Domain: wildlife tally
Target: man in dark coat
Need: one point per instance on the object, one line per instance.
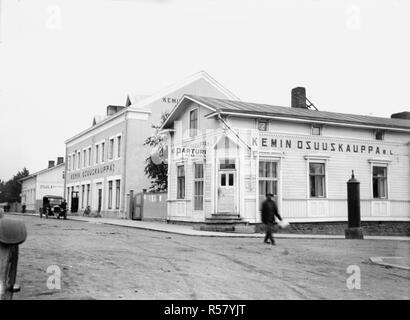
(269, 211)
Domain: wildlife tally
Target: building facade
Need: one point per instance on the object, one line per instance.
(35, 186)
(106, 161)
(226, 155)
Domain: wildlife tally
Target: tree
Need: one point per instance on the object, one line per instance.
(157, 173)
(10, 191)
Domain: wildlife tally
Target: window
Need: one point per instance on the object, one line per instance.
(102, 151)
(316, 130)
(180, 182)
(262, 125)
(199, 186)
(79, 160)
(84, 158)
(379, 134)
(111, 149)
(74, 161)
(82, 195)
(317, 180)
(268, 179)
(117, 194)
(88, 193)
(89, 156)
(118, 146)
(379, 182)
(97, 153)
(68, 163)
(193, 122)
(109, 194)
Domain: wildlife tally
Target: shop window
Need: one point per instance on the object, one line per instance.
(268, 179)
(198, 186)
(316, 130)
(109, 194)
(118, 146)
(317, 180)
(117, 194)
(379, 182)
(263, 125)
(102, 151)
(89, 156)
(379, 134)
(180, 182)
(193, 122)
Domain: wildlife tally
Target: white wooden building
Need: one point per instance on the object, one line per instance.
(226, 155)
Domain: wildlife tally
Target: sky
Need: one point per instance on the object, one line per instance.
(62, 62)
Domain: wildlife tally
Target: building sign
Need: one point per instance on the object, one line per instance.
(195, 150)
(326, 146)
(94, 171)
(170, 100)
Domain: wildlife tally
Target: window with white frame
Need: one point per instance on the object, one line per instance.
(180, 182)
(198, 186)
(379, 175)
(193, 122)
(317, 180)
(74, 161)
(268, 179)
(84, 158)
(118, 146)
(88, 194)
(79, 160)
(69, 163)
(117, 193)
(109, 194)
(102, 152)
(111, 149)
(82, 195)
(89, 156)
(379, 135)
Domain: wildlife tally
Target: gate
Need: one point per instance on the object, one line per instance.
(138, 206)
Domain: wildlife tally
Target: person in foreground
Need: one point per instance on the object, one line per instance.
(269, 211)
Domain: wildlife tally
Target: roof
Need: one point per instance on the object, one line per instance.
(33, 175)
(137, 102)
(247, 109)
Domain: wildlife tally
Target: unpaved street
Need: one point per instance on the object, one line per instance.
(109, 262)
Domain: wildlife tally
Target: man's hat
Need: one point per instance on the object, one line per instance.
(269, 195)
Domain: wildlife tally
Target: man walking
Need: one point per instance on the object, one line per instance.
(269, 211)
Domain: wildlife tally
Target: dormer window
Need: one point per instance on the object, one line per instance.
(379, 135)
(316, 130)
(193, 122)
(263, 125)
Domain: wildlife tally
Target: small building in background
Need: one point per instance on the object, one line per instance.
(49, 181)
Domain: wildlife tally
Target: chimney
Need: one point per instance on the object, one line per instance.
(299, 97)
(113, 109)
(401, 115)
(60, 160)
(50, 163)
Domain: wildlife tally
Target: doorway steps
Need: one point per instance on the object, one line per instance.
(225, 222)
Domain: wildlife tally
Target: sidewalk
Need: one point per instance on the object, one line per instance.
(189, 231)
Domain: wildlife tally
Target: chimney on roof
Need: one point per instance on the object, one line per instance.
(401, 115)
(299, 97)
(50, 163)
(113, 109)
(60, 160)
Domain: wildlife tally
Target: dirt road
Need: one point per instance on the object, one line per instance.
(110, 262)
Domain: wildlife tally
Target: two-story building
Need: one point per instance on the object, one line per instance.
(226, 155)
(106, 161)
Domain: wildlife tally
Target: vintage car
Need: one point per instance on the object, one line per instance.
(54, 206)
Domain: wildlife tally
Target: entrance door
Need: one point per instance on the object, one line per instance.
(74, 201)
(226, 191)
(99, 199)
